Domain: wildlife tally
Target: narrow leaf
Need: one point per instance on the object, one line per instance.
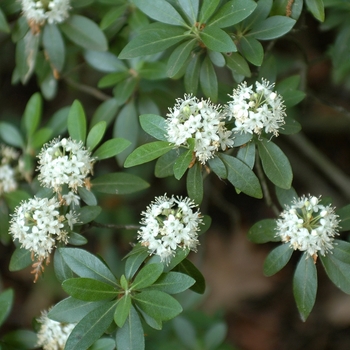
(54, 46)
(263, 231)
(173, 282)
(77, 122)
(182, 163)
(6, 300)
(208, 79)
(122, 310)
(95, 135)
(277, 259)
(88, 213)
(11, 135)
(32, 114)
(111, 148)
(154, 125)
(218, 167)
(62, 270)
(316, 7)
(217, 40)
(192, 74)
(190, 8)
(179, 57)
(20, 259)
(194, 183)
(207, 9)
(272, 27)
(187, 267)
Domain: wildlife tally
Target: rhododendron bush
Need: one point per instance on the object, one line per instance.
(122, 122)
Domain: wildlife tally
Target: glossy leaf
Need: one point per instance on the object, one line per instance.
(112, 79)
(173, 282)
(84, 264)
(215, 335)
(241, 176)
(103, 344)
(157, 304)
(87, 214)
(58, 121)
(6, 300)
(89, 289)
(252, 50)
(123, 91)
(316, 7)
(285, 197)
(91, 327)
(161, 11)
(131, 335)
(246, 154)
(134, 261)
(111, 148)
(191, 78)
(154, 125)
(165, 164)
(241, 139)
(118, 183)
(32, 114)
(85, 33)
(179, 57)
(154, 38)
(95, 135)
(232, 13)
(147, 153)
(112, 16)
(147, 276)
(104, 61)
(305, 285)
(344, 217)
(182, 163)
(218, 167)
(238, 64)
(76, 239)
(275, 164)
(72, 310)
(106, 111)
(62, 270)
(40, 137)
(190, 8)
(207, 9)
(11, 135)
(272, 28)
(77, 122)
(87, 196)
(54, 46)
(290, 127)
(153, 71)
(20, 259)
(194, 183)
(208, 79)
(216, 39)
(277, 259)
(263, 231)
(188, 268)
(122, 310)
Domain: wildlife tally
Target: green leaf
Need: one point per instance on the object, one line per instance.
(275, 164)
(217, 58)
(123, 91)
(111, 148)
(263, 231)
(182, 163)
(157, 304)
(161, 11)
(238, 64)
(154, 125)
(106, 111)
(246, 154)
(179, 57)
(208, 79)
(84, 264)
(85, 33)
(87, 196)
(285, 197)
(103, 344)
(186, 333)
(14, 198)
(207, 9)
(6, 300)
(77, 122)
(147, 152)
(316, 7)
(4, 27)
(173, 282)
(272, 28)
(91, 327)
(32, 114)
(241, 176)
(95, 135)
(76, 239)
(20, 259)
(187, 267)
(131, 335)
(88, 289)
(72, 310)
(112, 79)
(190, 8)
(134, 261)
(11, 135)
(40, 137)
(113, 15)
(180, 255)
(147, 276)
(341, 250)
(153, 71)
(194, 183)
(215, 335)
(54, 46)
(291, 126)
(277, 259)
(62, 270)
(118, 183)
(88, 213)
(58, 121)
(155, 37)
(206, 223)
(337, 271)
(242, 138)
(165, 164)
(104, 61)
(192, 74)
(252, 50)
(305, 285)
(122, 310)
(344, 217)
(232, 13)
(19, 339)
(218, 167)
(216, 39)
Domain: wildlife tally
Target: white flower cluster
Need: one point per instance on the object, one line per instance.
(53, 335)
(40, 11)
(169, 223)
(38, 225)
(64, 162)
(255, 111)
(8, 181)
(202, 121)
(308, 226)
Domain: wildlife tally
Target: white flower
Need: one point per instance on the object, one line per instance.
(53, 335)
(256, 111)
(41, 11)
(64, 162)
(308, 226)
(8, 182)
(38, 226)
(168, 224)
(200, 120)
(71, 198)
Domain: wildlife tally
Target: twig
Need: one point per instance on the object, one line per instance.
(113, 226)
